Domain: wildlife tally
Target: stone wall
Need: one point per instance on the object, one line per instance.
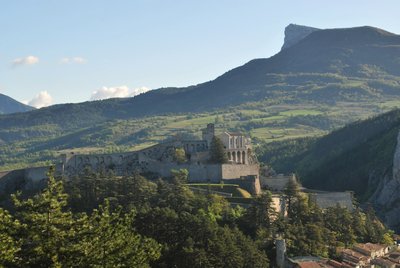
(232, 171)
(197, 172)
(331, 199)
(24, 179)
(250, 183)
(276, 183)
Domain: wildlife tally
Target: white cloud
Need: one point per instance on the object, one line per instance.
(42, 99)
(29, 60)
(117, 92)
(78, 60)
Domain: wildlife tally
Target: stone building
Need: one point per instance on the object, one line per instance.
(160, 159)
(243, 169)
(238, 147)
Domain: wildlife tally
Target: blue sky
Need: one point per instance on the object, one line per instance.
(66, 49)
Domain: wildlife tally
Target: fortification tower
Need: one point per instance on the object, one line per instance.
(280, 252)
(208, 133)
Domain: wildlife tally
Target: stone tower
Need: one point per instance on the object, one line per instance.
(280, 252)
(208, 133)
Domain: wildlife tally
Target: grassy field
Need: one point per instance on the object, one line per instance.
(261, 121)
(233, 189)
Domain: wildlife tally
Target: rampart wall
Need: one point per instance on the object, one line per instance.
(233, 171)
(24, 179)
(330, 199)
(276, 183)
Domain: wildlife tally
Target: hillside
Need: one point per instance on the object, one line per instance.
(348, 158)
(9, 105)
(329, 78)
(359, 157)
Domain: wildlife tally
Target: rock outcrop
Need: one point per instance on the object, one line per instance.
(294, 33)
(387, 196)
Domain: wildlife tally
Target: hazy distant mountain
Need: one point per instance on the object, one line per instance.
(9, 105)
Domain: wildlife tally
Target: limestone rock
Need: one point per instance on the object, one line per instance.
(387, 197)
(396, 161)
(294, 33)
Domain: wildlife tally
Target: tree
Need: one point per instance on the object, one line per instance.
(110, 241)
(260, 214)
(48, 229)
(180, 155)
(9, 245)
(291, 191)
(217, 151)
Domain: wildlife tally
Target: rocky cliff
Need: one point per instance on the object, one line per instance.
(387, 195)
(294, 33)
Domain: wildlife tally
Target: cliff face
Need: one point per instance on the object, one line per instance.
(387, 196)
(294, 33)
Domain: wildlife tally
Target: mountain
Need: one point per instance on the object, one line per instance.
(9, 105)
(363, 157)
(326, 66)
(294, 33)
(325, 80)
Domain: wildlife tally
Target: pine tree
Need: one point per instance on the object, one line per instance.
(9, 245)
(48, 233)
(217, 151)
(291, 191)
(110, 241)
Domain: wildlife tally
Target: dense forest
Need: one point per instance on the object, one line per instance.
(99, 220)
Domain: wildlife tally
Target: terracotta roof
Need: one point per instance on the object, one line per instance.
(383, 262)
(353, 253)
(395, 256)
(371, 247)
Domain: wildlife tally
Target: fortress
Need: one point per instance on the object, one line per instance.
(242, 167)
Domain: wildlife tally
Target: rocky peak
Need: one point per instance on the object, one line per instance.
(294, 33)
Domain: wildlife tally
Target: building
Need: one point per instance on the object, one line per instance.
(161, 158)
(238, 147)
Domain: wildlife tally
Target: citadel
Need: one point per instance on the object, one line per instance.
(242, 167)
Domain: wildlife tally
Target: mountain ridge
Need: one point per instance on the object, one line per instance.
(322, 51)
(8, 105)
(326, 83)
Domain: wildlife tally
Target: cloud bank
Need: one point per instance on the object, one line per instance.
(117, 92)
(29, 60)
(42, 99)
(78, 60)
